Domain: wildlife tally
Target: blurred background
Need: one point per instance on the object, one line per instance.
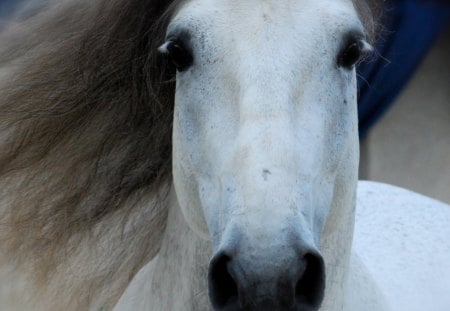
(404, 96)
(404, 100)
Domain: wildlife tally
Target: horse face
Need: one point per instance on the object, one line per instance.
(265, 141)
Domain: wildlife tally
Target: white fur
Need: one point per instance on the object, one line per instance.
(399, 261)
(265, 135)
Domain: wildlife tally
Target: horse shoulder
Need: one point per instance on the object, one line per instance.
(403, 240)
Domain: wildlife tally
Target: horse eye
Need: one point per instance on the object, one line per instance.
(178, 54)
(351, 54)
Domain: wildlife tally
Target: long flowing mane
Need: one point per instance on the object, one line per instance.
(85, 118)
(86, 108)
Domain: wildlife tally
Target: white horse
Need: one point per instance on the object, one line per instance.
(264, 166)
(261, 206)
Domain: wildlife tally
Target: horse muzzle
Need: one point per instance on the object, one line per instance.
(286, 279)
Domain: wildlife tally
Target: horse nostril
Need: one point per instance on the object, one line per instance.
(223, 290)
(287, 291)
(310, 287)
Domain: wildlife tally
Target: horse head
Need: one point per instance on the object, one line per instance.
(265, 144)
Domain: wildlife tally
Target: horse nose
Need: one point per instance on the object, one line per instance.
(235, 286)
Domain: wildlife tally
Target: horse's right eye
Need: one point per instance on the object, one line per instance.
(180, 56)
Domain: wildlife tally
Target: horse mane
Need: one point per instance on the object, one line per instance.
(371, 14)
(86, 107)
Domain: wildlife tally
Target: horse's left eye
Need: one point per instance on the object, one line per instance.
(353, 51)
(178, 54)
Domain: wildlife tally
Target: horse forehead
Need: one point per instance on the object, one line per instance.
(244, 37)
(248, 15)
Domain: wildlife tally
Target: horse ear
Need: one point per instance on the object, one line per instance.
(371, 15)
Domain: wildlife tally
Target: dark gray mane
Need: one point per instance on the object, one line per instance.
(86, 106)
(370, 13)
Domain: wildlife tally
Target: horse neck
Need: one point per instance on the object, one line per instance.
(178, 275)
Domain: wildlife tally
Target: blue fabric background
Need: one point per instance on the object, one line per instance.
(8, 6)
(411, 29)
